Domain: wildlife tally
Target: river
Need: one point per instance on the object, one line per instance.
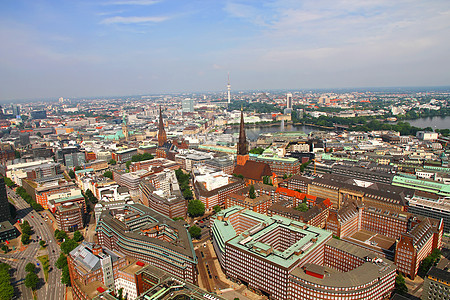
(434, 122)
(253, 132)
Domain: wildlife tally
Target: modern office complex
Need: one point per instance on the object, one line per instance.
(144, 234)
(286, 259)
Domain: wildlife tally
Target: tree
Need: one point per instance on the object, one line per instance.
(31, 281)
(196, 208)
(61, 262)
(77, 236)
(6, 289)
(65, 276)
(72, 174)
(26, 228)
(9, 182)
(112, 162)
(217, 208)
(108, 174)
(5, 249)
(128, 164)
(60, 235)
(257, 150)
(25, 238)
(120, 296)
(251, 192)
(68, 246)
(187, 194)
(302, 207)
(400, 285)
(42, 243)
(30, 267)
(238, 175)
(195, 232)
(39, 134)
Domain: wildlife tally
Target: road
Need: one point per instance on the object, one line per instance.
(53, 289)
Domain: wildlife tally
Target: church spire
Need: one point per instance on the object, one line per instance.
(242, 148)
(162, 137)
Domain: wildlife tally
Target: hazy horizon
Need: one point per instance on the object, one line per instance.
(88, 49)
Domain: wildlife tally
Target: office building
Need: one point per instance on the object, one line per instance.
(69, 216)
(93, 269)
(187, 105)
(7, 231)
(5, 214)
(289, 101)
(285, 259)
(144, 234)
(436, 285)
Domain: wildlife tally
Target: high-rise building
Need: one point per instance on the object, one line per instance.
(188, 105)
(289, 101)
(229, 89)
(5, 214)
(15, 110)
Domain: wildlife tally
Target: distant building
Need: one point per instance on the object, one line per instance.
(75, 159)
(38, 114)
(427, 136)
(188, 105)
(69, 216)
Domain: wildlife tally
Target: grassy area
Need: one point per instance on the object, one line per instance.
(45, 265)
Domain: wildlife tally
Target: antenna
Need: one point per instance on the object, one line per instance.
(229, 89)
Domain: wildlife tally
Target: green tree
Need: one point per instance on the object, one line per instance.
(112, 162)
(251, 192)
(72, 174)
(196, 208)
(217, 208)
(61, 262)
(258, 150)
(42, 243)
(68, 245)
(26, 228)
(65, 276)
(60, 235)
(17, 153)
(187, 194)
(6, 289)
(31, 281)
(120, 296)
(108, 174)
(302, 207)
(400, 285)
(238, 176)
(195, 232)
(77, 236)
(128, 164)
(25, 238)
(9, 182)
(5, 248)
(30, 267)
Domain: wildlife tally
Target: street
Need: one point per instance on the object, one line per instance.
(53, 289)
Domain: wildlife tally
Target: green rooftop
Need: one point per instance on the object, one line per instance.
(438, 188)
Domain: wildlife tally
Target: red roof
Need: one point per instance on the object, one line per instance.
(327, 202)
(100, 289)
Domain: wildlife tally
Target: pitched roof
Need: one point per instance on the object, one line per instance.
(253, 170)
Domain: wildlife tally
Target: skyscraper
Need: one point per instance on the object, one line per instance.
(289, 101)
(188, 105)
(5, 214)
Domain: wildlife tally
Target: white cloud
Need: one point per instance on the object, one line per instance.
(133, 20)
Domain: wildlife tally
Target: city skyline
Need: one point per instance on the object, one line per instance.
(104, 48)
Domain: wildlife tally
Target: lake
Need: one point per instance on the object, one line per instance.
(434, 122)
(253, 132)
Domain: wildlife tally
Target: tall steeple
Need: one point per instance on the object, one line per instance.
(242, 147)
(162, 137)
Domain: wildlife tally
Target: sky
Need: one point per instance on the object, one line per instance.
(89, 48)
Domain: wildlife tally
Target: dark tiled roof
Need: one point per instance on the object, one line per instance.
(253, 170)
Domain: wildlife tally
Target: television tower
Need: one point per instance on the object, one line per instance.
(229, 89)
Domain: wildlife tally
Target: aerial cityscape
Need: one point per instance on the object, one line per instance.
(238, 150)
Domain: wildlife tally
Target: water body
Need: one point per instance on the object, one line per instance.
(254, 132)
(434, 122)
